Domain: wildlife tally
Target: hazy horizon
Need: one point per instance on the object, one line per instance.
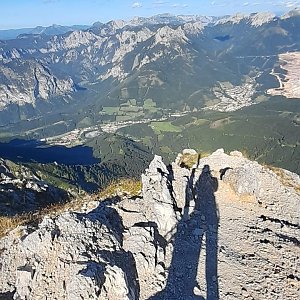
(31, 13)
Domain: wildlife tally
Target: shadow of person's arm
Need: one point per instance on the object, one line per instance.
(215, 184)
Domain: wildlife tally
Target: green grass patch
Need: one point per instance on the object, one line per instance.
(130, 109)
(200, 122)
(159, 127)
(123, 118)
(147, 141)
(148, 103)
(165, 149)
(110, 110)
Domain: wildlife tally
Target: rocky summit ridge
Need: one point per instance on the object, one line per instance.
(24, 191)
(225, 228)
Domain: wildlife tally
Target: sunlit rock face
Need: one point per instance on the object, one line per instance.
(22, 191)
(39, 83)
(185, 53)
(225, 228)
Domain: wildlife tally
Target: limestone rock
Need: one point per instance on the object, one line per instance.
(180, 182)
(73, 256)
(245, 179)
(228, 229)
(158, 195)
(38, 84)
(23, 191)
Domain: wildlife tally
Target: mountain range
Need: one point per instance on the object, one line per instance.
(96, 202)
(8, 34)
(174, 60)
(192, 79)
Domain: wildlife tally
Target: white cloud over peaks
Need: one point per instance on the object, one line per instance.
(160, 3)
(215, 3)
(168, 4)
(136, 5)
(179, 5)
(291, 4)
(265, 3)
(287, 4)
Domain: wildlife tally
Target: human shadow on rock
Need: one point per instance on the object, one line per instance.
(197, 231)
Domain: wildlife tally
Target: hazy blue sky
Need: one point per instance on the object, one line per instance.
(30, 13)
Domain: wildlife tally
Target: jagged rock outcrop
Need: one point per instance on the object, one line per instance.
(23, 191)
(254, 19)
(158, 196)
(234, 236)
(144, 59)
(68, 258)
(38, 84)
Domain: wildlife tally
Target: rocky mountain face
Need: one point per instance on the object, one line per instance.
(228, 228)
(39, 83)
(54, 29)
(23, 191)
(173, 60)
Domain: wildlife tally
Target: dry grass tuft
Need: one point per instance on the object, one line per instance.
(130, 187)
(9, 223)
(124, 186)
(189, 160)
(284, 178)
(245, 153)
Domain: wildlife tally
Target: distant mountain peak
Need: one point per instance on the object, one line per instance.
(255, 19)
(259, 19)
(117, 23)
(97, 24)
(292, 13)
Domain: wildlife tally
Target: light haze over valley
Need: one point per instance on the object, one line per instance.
(149, 149)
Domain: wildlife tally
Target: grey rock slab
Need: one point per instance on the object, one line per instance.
(228, 229)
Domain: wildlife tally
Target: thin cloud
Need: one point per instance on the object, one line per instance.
(288, 4)
(136, 5)
(160, 3)
(168, 4)
(176, 5)
(50, 1)
(215, 3)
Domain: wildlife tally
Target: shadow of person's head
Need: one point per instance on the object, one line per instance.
(206, 169)
(206, 181)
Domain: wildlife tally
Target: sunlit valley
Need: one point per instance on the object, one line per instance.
(205, 107)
